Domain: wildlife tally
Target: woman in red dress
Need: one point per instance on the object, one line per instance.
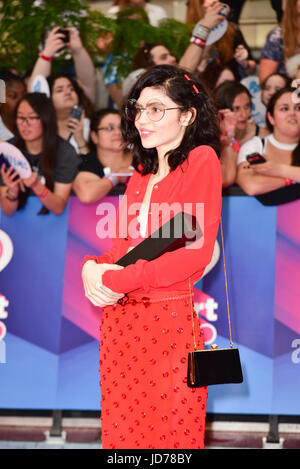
(146, 335)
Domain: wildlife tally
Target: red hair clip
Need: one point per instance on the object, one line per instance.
(194, 86)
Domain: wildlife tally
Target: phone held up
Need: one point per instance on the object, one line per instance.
(76, 112)
(66, 34)
(255, 158)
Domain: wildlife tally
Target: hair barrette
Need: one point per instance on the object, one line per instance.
(193, 84)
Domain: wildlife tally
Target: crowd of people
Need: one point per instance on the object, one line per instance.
(88, 153)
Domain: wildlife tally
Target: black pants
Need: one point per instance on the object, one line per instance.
(237, 5)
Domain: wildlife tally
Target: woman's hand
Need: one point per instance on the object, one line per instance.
(269, 168)
(241, 56)
(95, 291)
(11, 179)
(31, 181)
(75, 43)
(212, 16)
(76, 127)
(227, 123)
(54, 42)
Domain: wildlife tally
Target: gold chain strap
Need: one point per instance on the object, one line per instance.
(226, 288)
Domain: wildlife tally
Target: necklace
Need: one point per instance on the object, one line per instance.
(280, 145)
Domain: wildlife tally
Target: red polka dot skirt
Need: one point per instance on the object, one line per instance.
(146, 402)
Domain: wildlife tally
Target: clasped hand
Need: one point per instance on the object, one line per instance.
(92, 283)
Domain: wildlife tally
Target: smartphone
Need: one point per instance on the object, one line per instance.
(76, 112)
(224, 11)
(7, 164)
(5, 161)
(66, 34)
(255, 158)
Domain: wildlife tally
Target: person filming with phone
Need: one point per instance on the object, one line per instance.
(57, 40)
(274, 162)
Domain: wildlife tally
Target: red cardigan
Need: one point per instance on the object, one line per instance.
(198, 179)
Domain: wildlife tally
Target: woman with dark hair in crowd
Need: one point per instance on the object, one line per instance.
(232, 48)
(236, 99)
(147, 56)
(108, 154)
(66, 93)
(271, 84)
(214, 74)
(282, 42)
(145, 337)
(278, 148)
(53, 160)
(14, 90)
(233, 101)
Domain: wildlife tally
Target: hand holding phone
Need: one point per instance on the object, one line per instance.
(65, 33)
(255, 158)
(76, 113)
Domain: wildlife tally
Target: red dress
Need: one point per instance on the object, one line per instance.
(144, 344)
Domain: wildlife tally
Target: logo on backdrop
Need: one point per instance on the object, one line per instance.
(296, 352)
(6, 253)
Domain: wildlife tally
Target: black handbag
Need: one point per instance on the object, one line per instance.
(214, 366)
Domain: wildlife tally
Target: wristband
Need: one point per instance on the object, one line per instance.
(289, 182)
(43, 194)
(198, 41)
(10, 197)
(112, 180)
(200, 31)
(45, 57)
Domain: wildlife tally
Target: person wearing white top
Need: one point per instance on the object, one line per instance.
(280, 149)
(155, 13)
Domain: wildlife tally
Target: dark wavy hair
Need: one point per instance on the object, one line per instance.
(270, 110)
(44, 108)
(273, 101)
(83, 100)
(179, 85)
(225, 94)
(96, 121)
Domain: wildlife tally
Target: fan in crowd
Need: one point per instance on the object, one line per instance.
(14, 90)
(231, 48)
(282, 42)
(109, 154)
(53, 160)
(279, 148)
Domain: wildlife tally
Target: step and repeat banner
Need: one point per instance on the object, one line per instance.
(49, 331)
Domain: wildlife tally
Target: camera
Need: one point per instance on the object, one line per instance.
(66, 34)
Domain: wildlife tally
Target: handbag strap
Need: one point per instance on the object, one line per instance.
(226, 289)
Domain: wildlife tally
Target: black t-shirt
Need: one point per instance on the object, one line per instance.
(67, 162)
(91, 164)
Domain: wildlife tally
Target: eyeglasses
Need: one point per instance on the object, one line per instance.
(155, 112)
(110, 128)
(29, 120)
